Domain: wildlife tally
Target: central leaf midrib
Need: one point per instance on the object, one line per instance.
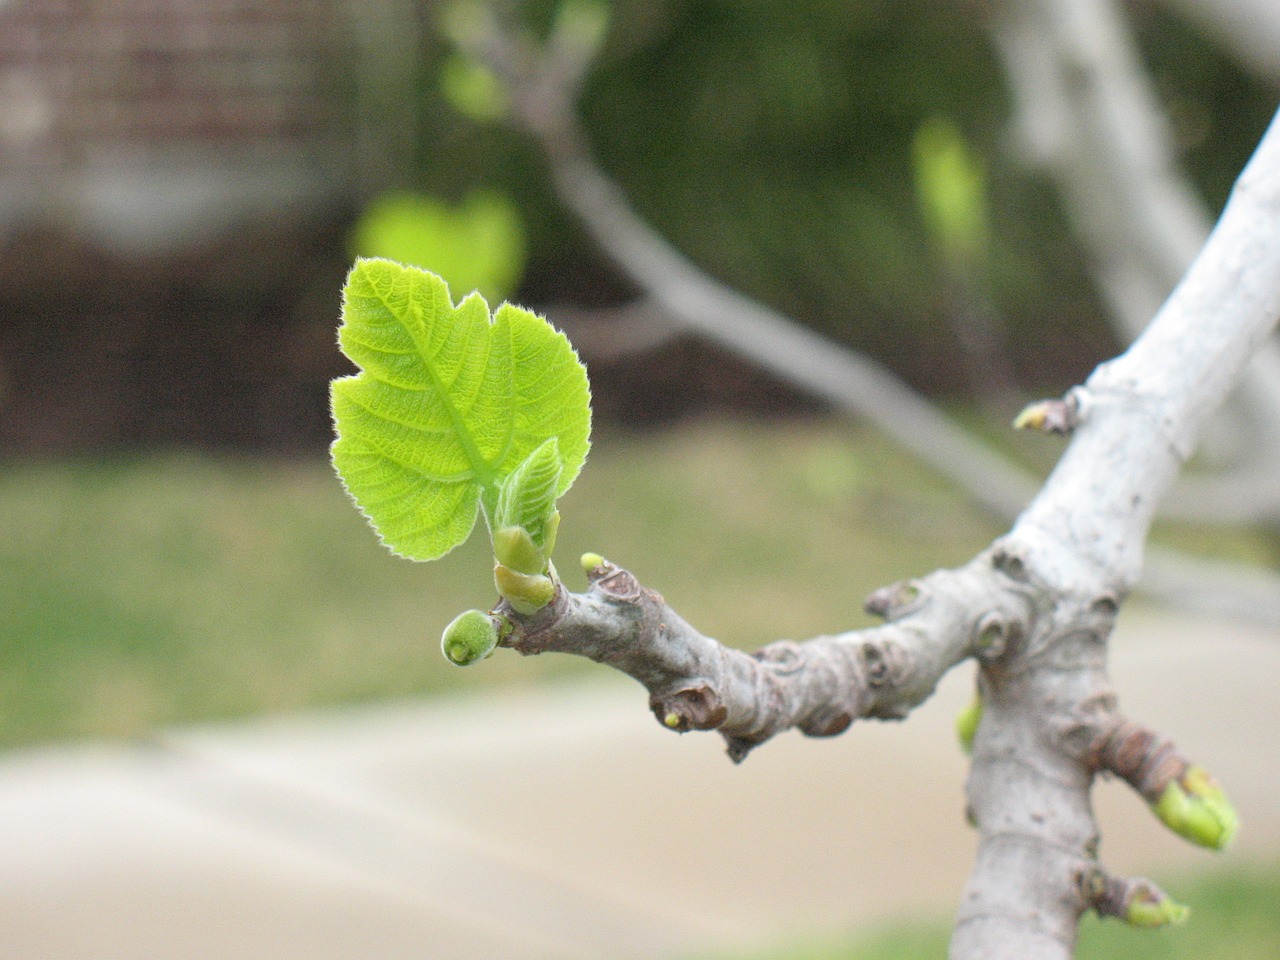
(485, 474)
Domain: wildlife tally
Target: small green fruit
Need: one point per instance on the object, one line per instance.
(470, 637)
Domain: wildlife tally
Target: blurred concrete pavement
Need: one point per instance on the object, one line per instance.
(563, 823)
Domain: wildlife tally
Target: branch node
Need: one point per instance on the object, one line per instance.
(1012, 562)
(1059, 416)
(878, 666)
(616, 583)
(693, 708)
(827, 725)
(1137, 901)
(993, 636)
(1107, 604)
(895, 600)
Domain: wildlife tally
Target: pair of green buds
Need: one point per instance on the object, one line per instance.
(524, 521)
(525, 578)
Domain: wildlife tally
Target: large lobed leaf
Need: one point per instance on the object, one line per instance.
(448, 403)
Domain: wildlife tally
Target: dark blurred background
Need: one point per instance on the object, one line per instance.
(180, 180)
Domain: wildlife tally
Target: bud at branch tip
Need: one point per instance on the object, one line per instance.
(1195, 807)
(1150, 908)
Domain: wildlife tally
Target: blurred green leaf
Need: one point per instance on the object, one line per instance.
(478, 246)
(472, 89)
(951, 189)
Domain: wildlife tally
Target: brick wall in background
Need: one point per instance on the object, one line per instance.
(139, 119)
(176, 182)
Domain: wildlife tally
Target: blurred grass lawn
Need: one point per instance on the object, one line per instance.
(1233, 917)
(147, 591)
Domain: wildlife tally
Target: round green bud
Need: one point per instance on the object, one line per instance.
(470, 637)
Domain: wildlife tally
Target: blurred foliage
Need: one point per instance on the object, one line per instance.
(152, 590)
(951, 187)
(477, 245)
(773, 144)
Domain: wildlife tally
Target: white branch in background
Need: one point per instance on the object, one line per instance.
(1089, 115)
(847, 380)
(1249, 28)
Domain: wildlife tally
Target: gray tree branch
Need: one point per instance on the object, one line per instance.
(1035, 610)
(1089, 116)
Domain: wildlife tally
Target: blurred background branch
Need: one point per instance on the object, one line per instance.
(1088, 114)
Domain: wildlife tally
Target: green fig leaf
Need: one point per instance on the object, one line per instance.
(449, 403)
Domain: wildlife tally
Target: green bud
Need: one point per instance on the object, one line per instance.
(526, 593)
(967, 723)
(1150, 908)
(470, 637)
(672, 720)
(1194, 807)
(590, 561)
(514, 548)
(1031, 417)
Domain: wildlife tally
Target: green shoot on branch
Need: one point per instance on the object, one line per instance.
(457, 411)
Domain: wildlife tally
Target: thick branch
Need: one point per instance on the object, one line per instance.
(1080, 543)
(818, 687)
